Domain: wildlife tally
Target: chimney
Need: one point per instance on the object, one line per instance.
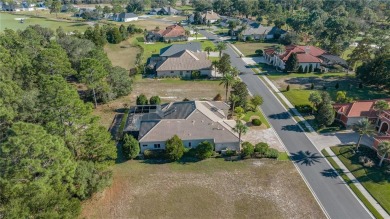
(307, 49)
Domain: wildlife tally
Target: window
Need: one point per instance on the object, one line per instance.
(156, 145)
(145, 145)
(189, 144)
(172, 72)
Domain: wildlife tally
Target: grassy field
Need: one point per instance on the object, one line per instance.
(352, 186)
(168, 89)
(9, 21)
(248, 49)
(122, 54)
(212, 188)
(373, 179)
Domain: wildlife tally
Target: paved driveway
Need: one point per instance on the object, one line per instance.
(334, 196)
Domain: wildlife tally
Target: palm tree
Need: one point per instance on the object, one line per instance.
(221, 46)
(380, 106)
(187, 32)
(215, 66)
(234, 71)
(241, 129)
(227, 81)
(384, 149)
(196, 31)
(208, 50)
(363, 127)
(234, 99)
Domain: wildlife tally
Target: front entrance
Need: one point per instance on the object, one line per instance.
(384, 127)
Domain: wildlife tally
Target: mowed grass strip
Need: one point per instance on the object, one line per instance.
(249, 48)
(374, 180)
(213, 188)
(352, 186)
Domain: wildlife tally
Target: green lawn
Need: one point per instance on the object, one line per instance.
(298, 97)
(258, 113)
(8, 21)
(283, 156)
(376, 182)
(352, 186)
(248, 49)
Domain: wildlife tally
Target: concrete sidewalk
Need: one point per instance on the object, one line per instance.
(327, 140)
(358, 185)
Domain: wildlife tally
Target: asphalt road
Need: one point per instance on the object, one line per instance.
(334, 196)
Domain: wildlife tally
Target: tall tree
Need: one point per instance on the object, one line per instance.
(363, 127)
(220, 47)
(55, 7)
(208, 50)
(119, 80)
(380, 106)
(37, 172)
(92, 73)
(316, 99)
(239, 88)
(227, 81)
(241, 129)
(224, 66)
(384, 150)
(292, 63)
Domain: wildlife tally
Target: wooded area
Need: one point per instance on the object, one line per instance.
(53, 152)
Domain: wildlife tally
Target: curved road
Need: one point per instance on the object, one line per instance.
(335, 197)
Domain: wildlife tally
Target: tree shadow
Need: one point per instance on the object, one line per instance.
(306, 157)
(284, 115)
(294, 128)
(331, 173)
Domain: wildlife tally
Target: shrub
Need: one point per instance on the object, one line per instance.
(261, 148)
(300, 69)
(186, 99)
(153, 154)
(366, 161)
(142, 100)
(204, 150)
(337, 86)
(312, 86)
(256, 122)
(130, 147)
(155, 100)
(272, 153)
(247, 149)
(174, 148)
(304, 108)
(218, 97)
(288, 88)
(230, 153)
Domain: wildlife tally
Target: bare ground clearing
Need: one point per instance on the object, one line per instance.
(213, 188)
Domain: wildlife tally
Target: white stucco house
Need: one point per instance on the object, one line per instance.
(192, 121)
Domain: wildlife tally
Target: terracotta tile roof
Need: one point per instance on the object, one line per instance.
(172, 31)
(305, 53)
(363, 108)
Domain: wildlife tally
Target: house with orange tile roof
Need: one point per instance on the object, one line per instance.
(350, 113)
(309, 57)
(171, 33)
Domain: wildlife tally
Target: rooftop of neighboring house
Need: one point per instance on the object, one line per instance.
(169, 9)
(124, 15)
(172, 31)
(362, 108)
(185, 60)
(175, 48)
(211, 15)
(189, 120)
(305, 54)
(260, 29)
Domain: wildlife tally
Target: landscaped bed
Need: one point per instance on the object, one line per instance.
(374, 179)
(213, 188)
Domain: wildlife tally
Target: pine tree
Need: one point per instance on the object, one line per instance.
(292, 63)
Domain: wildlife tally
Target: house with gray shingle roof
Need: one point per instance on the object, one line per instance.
(258, 32)
(183, 64)
(193, 121)
(125, 17)
(175, 48)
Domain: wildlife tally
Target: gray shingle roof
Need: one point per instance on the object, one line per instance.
(176, 48)
(262, 30)
(124, 15)
(186, 61)
(195, 120)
